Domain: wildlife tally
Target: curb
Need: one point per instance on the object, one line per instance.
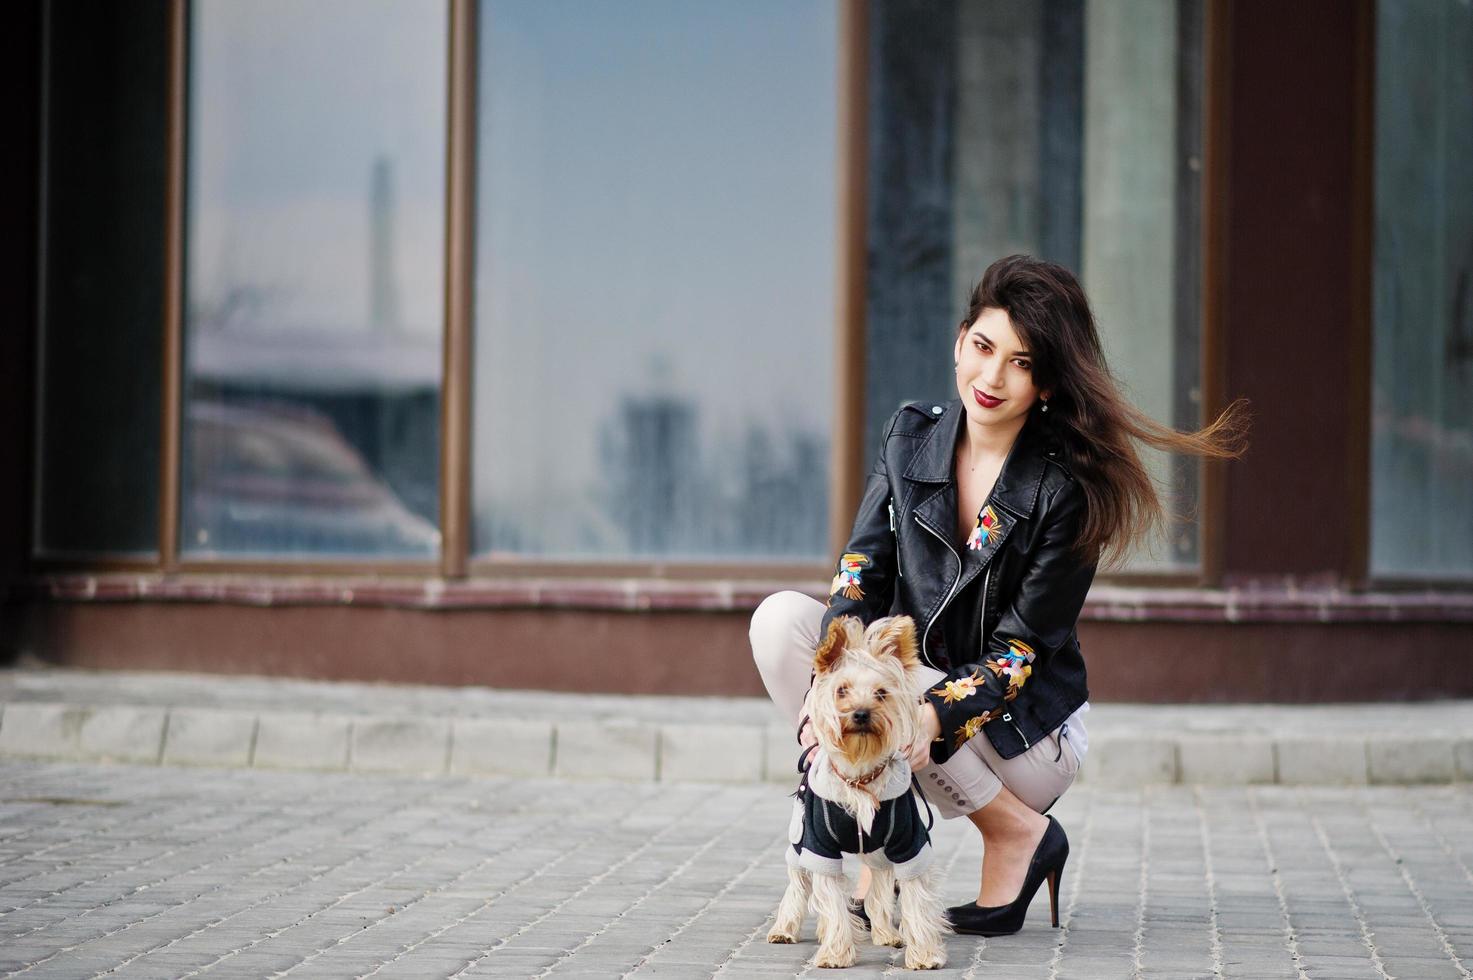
(633, 749)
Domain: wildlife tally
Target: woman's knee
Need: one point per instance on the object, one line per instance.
(778, 625)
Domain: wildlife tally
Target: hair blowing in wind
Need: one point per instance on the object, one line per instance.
(1098, 428)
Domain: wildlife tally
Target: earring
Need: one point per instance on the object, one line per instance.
(1044, 406)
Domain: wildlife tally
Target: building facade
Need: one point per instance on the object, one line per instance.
(533, 344)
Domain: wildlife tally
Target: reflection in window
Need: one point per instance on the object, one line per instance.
(314, 279)
(1422, 366)
(654, 291)
(1066, 129)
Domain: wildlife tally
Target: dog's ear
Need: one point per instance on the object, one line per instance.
(894, 636)
(831, 648)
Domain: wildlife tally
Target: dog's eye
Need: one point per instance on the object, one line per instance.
(880, 694)
(841, 692)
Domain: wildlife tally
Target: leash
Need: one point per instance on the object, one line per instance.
(805, 762)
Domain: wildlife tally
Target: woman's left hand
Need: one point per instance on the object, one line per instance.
(919, 752)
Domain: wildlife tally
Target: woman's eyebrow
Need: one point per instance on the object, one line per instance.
(988, 341)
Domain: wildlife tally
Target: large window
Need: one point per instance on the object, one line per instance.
(655, 279)
(1422, 364)
(654, 285)
(314, 278)
(1067, 129)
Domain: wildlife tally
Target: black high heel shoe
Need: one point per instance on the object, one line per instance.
(1004, 920)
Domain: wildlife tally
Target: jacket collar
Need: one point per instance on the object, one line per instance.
(1017, 485)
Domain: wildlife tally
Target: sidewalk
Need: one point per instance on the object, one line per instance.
(157, 718)
(240, 873)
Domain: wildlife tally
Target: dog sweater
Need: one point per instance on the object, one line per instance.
(822, 831)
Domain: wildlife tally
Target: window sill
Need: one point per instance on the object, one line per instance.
(1106, 603)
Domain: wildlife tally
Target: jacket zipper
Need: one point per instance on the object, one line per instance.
(899, 569)
(942, 608)
(985, 579)
(1006, 716)
(1009, 719)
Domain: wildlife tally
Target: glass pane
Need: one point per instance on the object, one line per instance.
(655, 279)
(1422, 366)
(1066, 129)
(315, 278)
(103, 278)
(1141, 228)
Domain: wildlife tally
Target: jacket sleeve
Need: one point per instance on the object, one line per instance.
(864, 580)
(1039, 621)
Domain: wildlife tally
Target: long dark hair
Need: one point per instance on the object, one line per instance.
(1095, 424)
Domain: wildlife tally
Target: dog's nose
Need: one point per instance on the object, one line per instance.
(861, 717)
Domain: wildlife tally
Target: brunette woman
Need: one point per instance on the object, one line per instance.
(984, 519)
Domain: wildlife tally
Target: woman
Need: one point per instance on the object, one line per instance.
(984, 519)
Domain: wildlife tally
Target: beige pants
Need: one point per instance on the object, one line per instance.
(784, 636)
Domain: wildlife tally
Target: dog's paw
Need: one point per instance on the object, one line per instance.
(779, 936)
(836, 959)
(916, 959)
(886, 937)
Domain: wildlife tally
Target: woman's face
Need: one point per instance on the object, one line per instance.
(994, 373)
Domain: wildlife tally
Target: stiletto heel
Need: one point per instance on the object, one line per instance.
(1003, 920)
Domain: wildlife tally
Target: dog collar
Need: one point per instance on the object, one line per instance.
(859, 782)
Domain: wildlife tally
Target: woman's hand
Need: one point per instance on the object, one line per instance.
(919, 752)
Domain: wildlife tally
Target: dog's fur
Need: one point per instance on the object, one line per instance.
(870, 671)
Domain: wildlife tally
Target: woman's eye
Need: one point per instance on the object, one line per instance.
(1024, 365)
(980, 346)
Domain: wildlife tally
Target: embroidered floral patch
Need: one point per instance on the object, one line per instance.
(953, 691)
(1017, 648)
(1015, 667)
(847, 580)
(972, 727)
(989, 526)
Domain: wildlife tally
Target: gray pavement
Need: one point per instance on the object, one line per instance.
(133, 871)
(155, 717)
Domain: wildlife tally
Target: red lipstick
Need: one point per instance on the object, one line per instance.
(987, 401)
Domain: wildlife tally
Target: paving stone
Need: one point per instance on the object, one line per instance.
(1225, 759)
(509, 746)
(1410, 760)
(42, 730)
(123, 733)
(105, 733)
(616, 749)
(301, 740)
(209, 737)
(711, 753)
(780, 755)
(407, 745)
(1463, 757)
(1130, 762)
(1307, 760)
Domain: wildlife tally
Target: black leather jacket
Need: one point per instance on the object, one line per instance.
(1015, 671)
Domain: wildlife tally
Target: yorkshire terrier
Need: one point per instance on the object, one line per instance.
(856, 797)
